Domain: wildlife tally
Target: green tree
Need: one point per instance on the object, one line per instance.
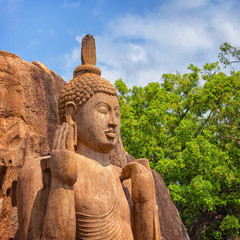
(188, 127)
(229, 54)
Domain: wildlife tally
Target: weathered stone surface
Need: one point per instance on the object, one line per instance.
(171, 225)
(28, 118)
(119, 157)
(88, 50)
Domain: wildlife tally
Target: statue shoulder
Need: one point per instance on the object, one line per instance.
(116, 170)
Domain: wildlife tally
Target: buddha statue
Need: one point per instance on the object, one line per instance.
(76, 193)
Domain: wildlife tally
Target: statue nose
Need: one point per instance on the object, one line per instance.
(113, 121)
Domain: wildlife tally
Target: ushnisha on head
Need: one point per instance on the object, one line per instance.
(86, 80)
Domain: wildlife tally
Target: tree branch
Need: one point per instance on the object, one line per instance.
(234, 61)
(189, 109)
(200, 129)
(237, 140)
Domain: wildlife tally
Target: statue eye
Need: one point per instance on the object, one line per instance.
(117, 112)
(102, 108)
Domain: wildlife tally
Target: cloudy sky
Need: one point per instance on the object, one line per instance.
(137, 40)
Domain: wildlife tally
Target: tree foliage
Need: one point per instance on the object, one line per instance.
(229, 54)
(188, 127)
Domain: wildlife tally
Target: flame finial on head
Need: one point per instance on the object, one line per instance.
(88, 57)
(88, 50)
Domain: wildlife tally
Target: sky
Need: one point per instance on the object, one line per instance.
(136, 40)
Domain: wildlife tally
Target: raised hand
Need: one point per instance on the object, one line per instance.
(139, 172)
(64, 137)
(63, 163)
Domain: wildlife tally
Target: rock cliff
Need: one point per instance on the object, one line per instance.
(28, 118)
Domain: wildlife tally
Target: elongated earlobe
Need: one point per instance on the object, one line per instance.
(71, 110)
(74, 134)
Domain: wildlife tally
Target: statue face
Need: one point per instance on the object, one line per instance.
(98, 122)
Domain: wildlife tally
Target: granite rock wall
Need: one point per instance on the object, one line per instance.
(28, 119)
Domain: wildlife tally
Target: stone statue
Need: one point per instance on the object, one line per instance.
(76, 193)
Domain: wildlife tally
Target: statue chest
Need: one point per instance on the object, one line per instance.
(97, 189)
(102, 211)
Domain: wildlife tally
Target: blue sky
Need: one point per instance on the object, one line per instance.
(136, 40)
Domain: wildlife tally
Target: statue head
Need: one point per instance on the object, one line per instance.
(92, 102)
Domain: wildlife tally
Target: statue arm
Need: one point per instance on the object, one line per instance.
(60, 222)
(145, 222)
(144, 215)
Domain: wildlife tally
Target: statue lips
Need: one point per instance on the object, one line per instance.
(110, 133)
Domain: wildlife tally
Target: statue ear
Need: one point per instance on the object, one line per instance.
(70, 110)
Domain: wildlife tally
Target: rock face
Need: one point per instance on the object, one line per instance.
(28, 120)
(170, 222)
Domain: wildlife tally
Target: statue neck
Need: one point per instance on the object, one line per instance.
(102, 158)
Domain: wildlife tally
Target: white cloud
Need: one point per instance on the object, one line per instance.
(72, 60)
(71, 4)
(140, 48)
(136, 53)
(189, 4)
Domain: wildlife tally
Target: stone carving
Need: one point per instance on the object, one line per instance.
(76, 193)
(19, 82)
